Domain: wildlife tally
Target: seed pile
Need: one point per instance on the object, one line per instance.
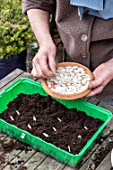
(69, 80)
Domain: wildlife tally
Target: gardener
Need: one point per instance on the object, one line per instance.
(86, 30)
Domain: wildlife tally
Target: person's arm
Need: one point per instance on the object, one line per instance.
(39, 21)
(44, 61)
(103, 74)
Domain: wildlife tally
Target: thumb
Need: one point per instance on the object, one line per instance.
(95, 83)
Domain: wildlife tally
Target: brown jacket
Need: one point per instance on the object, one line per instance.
(89, 41)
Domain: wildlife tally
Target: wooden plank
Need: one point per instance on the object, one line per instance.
(20, 160)
(107, 129)
(105, 164)
(90, 164)
(84, 159)
(106, 106)
(69, 168)
(34, 161)
(93, 101)
(23, 75)
(109, 126)
(2, 136)
(50, 164)
(10, 77)
(3, 139)
(1, 151)
(8, 157)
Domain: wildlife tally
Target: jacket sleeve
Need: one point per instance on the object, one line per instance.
(46, 5)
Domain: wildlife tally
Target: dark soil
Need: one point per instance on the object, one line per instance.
(65, 127)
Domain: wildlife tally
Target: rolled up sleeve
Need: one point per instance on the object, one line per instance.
(46, 5)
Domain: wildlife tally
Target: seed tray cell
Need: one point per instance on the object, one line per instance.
(27, 86)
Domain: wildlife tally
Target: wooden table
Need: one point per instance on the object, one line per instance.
(35, 160)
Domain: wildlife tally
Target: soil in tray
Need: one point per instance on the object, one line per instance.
(46, 118)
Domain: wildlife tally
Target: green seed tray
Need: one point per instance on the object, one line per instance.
(27, 86)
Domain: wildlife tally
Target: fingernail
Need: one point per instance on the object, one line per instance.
(54, 71)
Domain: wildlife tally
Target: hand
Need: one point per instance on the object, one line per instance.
(103, 74)
(44, 65)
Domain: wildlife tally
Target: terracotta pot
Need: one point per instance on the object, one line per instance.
(67, 96)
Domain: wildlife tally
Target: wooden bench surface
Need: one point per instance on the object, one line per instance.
(33, 159)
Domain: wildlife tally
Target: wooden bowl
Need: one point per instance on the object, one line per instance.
(67, 96)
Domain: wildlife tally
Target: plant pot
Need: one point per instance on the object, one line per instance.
(12, 63)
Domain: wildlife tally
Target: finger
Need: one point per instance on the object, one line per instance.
(95, 83)
(44, 67)
(95, 91)
(52, 64)
(36, 72)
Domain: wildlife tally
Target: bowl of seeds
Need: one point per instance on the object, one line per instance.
(70, 81)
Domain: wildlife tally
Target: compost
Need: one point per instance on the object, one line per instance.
(48, 119)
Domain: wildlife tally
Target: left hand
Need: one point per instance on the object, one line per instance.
(103, 74)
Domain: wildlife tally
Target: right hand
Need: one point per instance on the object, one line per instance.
(44, 65)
